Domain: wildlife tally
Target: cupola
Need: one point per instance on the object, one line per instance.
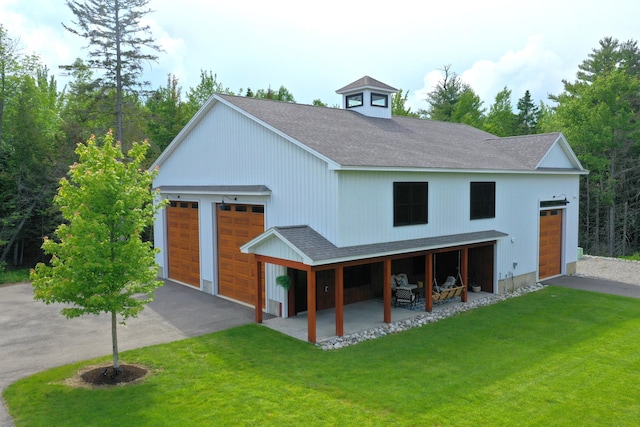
(368, 96)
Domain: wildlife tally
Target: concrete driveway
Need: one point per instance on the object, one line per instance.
(35, 336)
(595, 285)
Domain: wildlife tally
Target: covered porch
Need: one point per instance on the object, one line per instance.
(303, 249)
(358, 317)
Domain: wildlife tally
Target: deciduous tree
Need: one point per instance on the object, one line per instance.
(501, 120)
(99, 263)
(600, 114)
(399, 105)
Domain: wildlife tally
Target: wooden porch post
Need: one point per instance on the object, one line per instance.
(428, 289)
(465, 273)
(340, 301)
(258, 290)
(311, 306)
(386, 290)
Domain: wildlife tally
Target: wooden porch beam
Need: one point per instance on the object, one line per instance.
(428, 289)
(311, 306)
(258, 290)
(386, 290)
(283, 262)
(464, 273)
(340, 301)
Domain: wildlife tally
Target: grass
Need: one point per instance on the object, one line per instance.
(634, 257)
(554, 357)
(13, 275)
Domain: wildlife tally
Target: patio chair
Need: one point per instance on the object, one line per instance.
(405, 296)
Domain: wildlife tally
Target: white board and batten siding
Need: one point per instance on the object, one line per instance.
(228, 148)
(556, 157)
(366, 211)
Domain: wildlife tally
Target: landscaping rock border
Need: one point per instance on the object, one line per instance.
(422, 319)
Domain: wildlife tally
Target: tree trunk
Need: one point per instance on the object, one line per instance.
(624, 228)
(114, 341)
(17, 231)
(612, 231)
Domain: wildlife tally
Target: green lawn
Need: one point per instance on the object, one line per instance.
(551, 358)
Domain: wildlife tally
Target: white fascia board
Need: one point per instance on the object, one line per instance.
(460, 171)
(218, 193)
(397, 252)
(332, 164)
(248, 248)
(566, 149)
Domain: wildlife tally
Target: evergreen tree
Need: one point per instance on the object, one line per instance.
(527, 115)
(116, 40)
(443, 98)
(600, 115)
(168, 114)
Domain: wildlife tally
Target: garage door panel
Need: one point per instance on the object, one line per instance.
(183, 242)
(236, 227)
(550, 250)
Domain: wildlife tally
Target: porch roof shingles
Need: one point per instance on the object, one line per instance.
(321, 251)
(351, 139)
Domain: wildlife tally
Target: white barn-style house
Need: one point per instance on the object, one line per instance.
(340, 199)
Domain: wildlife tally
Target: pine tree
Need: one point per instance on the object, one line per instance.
(116, 40)
(527, 115)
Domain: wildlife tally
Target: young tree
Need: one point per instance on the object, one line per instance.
(8, 67)
(168, 113)
(197, 96)
(99, 263)
(468, 109)
(501, 120)
(282, 94)
(116, 40)
(399, 105)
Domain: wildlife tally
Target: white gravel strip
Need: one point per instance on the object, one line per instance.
(618, 270)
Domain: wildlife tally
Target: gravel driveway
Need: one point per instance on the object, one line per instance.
(617, 270)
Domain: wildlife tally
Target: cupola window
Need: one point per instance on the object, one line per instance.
(379, 100)
(355, 100)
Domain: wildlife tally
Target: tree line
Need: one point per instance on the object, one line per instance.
(41, 124)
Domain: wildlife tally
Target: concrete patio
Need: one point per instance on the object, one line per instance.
(357, 317)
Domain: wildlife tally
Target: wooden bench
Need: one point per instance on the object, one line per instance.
(447, 293)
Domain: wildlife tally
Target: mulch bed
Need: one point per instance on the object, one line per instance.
(107, 375)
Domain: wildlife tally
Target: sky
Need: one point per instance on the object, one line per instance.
(316, 48)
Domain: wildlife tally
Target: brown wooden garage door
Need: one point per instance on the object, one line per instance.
(550, 257)
(183, 242)
(237, 224)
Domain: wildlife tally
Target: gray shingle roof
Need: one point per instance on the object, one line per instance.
(369, 82)
(351, 139)
(321, 251)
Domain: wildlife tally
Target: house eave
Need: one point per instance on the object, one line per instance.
(219, 190)
(538, 171)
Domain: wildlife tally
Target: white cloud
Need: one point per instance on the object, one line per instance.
(534, 67)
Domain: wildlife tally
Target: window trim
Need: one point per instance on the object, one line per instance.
(411, 204)
(380, 96)
(354, 96)
(483, 212)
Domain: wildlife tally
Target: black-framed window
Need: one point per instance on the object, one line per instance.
(483, 200)
(379, 100)
(355, 100)
(410, 203)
